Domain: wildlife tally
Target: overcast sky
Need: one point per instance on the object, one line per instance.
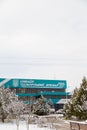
(44, 39)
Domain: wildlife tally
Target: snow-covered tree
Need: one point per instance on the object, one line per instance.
(16, 108)
(78, 103)
(9, 104)
(41, 106)
(50, 103)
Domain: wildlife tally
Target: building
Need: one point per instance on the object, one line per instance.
(28, 90)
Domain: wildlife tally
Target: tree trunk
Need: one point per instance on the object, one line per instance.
(3, 119)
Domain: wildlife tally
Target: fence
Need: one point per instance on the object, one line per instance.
(75, 125)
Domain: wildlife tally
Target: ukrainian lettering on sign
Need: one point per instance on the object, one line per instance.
(34, 83)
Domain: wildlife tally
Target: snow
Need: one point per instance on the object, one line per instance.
(22, 126)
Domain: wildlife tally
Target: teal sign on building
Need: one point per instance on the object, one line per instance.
(33, 83)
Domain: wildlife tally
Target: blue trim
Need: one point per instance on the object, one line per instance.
(43, 93)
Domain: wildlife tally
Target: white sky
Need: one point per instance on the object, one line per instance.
(44, 39)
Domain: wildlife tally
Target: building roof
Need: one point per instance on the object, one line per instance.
(63, 101)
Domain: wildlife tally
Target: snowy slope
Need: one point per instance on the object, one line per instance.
(22, 126)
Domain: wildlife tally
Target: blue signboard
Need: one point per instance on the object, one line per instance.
(33, 83)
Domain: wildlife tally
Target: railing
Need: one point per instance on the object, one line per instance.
(75, 125)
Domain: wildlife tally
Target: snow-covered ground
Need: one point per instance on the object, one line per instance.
(22, 126)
